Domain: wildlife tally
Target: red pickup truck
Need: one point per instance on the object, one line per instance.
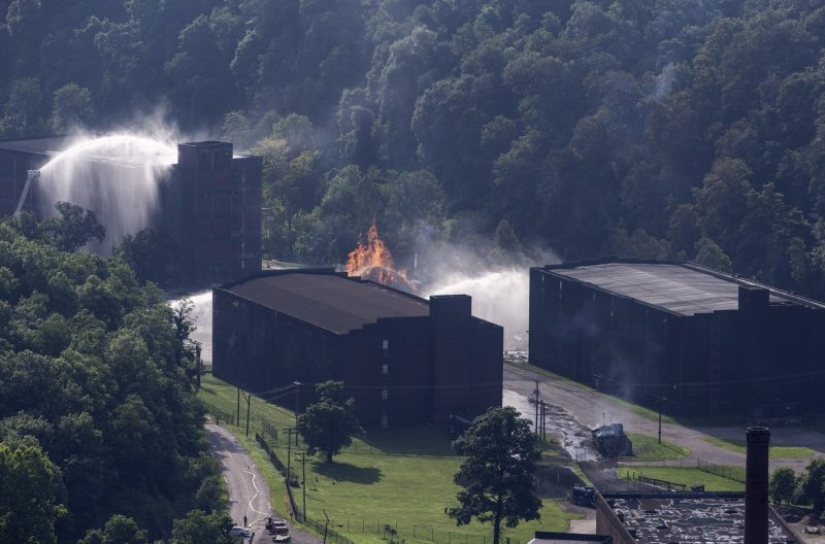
(279, 529)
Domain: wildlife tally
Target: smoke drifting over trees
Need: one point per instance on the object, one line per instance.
(666, 129)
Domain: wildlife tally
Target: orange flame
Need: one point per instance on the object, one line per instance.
(373, 261)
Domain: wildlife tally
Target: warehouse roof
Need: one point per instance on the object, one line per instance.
(678, 287)
(328, 300)
(51, 145)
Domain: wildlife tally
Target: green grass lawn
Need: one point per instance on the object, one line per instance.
(648, 448)
(685, 476)
(399, 479)
(776, 452)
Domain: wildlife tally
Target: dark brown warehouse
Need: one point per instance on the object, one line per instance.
(679, 337)
(404, 360)
(208, 203)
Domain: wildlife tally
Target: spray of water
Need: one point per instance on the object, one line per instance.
(116, 176)
(202, 318)
(500, 297)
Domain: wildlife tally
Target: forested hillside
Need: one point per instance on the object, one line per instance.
(636, 128)
(101, 436)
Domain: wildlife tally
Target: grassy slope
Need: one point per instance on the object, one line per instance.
(648, 448)
(686, 476)
(402, 479)
(776, 452)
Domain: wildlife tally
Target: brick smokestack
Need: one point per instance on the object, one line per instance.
(756, 486)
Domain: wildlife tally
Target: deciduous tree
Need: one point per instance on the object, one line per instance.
(498, 472)
(812, 484)
(329, 424)
(783, 485)
(28, 495)
(74, 227)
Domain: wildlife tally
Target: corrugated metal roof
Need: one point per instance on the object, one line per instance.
(329, 301)
(679, 288)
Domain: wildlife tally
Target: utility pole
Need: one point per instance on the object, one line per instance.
(238, 417)
(303, 485)
(297, 406)
(660, 419)
(289, 432)
(198, 364)
(543, 421)
(248, 408)
(537, 407)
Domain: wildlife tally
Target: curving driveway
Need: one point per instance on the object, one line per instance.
(248, 492)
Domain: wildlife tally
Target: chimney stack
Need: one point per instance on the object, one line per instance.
(756, 485)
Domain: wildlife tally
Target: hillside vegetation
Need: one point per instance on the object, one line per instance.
(649, 129)
(100, 431)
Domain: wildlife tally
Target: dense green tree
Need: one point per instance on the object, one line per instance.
(24, 21)
(71, 107)
(22, 112)
(199, 526)
(90, 372)
(29, 491)
(498, 472)
(200, 76)
(119, 529)
(351, 200)
(812, 485)
(709, 254)
(783, 485)
(329, 425)
(73, 228)
(149, 254)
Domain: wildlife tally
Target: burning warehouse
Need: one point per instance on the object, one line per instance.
(678, 337)
(405, 360)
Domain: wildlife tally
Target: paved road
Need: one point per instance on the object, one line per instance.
(574, 410)
(248, 491)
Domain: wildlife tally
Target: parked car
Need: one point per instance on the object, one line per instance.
(237, 530)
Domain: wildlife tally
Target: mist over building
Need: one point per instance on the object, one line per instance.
(204, 200)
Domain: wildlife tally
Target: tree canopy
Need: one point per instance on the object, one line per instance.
(783, 484)
(498, 473)
(98, 416)
(594, 128)
(329, 424)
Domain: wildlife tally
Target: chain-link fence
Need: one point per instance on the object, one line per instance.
(736, 474)
(401, 531)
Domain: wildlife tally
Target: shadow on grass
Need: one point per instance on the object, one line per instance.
(344, 472)
(427, 441)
